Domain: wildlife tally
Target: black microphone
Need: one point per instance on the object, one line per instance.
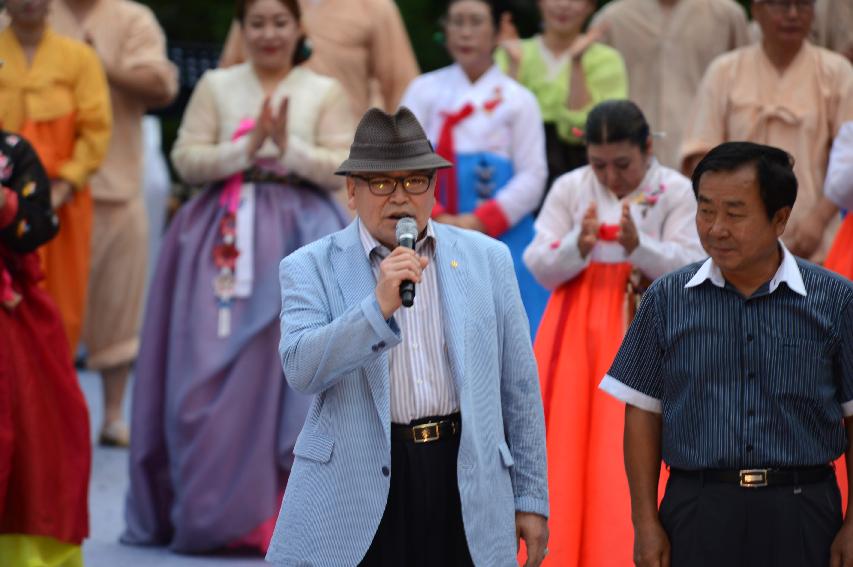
(407, 235)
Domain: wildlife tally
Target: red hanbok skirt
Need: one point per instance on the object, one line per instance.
(45, 448)
(840, 260)
(579, 336)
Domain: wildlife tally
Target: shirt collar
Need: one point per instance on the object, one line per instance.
(371, 245)
(492, 74)
(788, 272)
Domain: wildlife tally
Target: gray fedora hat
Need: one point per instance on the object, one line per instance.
(390, 142)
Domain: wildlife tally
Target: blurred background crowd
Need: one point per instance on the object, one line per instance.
(165, 269)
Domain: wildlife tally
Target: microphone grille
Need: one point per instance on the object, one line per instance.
(407, 226)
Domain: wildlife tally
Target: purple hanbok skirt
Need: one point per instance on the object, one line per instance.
(213, 420)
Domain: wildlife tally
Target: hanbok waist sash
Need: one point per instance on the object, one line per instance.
(259, 174)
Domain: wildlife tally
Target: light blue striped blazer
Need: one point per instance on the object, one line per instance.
(335, 343)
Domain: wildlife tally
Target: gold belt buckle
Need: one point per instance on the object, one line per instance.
(753, 478)
(425, 432)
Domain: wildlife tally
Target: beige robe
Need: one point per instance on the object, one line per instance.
(320, 127)
(126, 35)
(356, 42)
(666, 53)
(744, 97)
(833, 25)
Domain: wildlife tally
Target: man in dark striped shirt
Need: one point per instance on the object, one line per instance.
(738, 372)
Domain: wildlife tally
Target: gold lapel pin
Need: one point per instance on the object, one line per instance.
(454, 264)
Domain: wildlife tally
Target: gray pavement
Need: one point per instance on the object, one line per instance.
(106, 508)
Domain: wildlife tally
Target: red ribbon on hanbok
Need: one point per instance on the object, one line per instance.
(230, 197)
(447, 177)
(609, 232)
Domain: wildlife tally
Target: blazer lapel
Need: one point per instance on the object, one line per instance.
(356, 281)
(453, 275)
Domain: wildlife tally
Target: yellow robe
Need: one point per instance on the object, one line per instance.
(61, 104)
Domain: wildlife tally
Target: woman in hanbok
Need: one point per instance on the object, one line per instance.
(45, 449)
(213, 420)
(490, 128)
(605, 231)
(839, 190)
(569, 72)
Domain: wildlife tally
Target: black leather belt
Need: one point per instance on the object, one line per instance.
(432, 430)
(759, 478)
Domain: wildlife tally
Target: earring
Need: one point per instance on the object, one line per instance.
(305, 49)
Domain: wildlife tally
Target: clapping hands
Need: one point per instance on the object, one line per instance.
(629, 236)
(272, 125)
(589, 231)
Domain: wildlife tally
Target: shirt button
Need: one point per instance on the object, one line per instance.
(414, 346)
(751, 413)
(749, 448)
(751, 375)
(386, 471)
(749, 338)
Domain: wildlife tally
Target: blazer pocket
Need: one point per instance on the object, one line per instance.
(506, 455)
(314, 446)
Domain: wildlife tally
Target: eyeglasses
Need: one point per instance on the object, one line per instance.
(786, 5)
(458, 23)
(385, 185)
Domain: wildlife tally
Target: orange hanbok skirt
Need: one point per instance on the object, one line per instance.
(579, 336)
(840, 260)
(66, 258)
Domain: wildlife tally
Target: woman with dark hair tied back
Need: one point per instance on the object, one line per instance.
(213, 420)
(604, 232)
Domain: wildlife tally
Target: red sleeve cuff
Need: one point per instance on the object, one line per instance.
(438, 210)
(493, 218)
(10, 209)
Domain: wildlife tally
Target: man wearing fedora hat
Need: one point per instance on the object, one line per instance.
(425, 441)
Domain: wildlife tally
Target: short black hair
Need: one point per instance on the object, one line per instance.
(617, 121)
(496, 9)
(774, 170)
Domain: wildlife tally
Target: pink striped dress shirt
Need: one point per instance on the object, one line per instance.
(421, 380)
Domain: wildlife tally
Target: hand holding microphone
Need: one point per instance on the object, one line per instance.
(400, 271)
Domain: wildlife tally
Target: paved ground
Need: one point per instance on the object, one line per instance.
(106, 509)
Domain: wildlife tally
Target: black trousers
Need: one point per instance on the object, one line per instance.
(422, 523)
(716, 524)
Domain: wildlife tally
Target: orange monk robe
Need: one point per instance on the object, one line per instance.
(743, 97)
(61, 104)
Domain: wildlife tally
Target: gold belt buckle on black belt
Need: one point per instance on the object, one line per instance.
(753, 478)
(426, 432)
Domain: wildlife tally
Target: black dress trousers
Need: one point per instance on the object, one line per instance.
(712, 524)
(422, 523)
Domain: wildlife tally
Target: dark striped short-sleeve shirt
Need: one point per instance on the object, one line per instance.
(742, 382)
